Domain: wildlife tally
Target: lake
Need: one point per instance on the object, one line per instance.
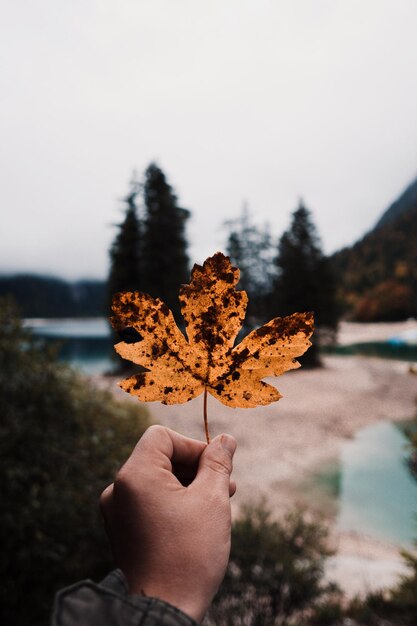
(378, 495)
(372, 486)
(88, 344)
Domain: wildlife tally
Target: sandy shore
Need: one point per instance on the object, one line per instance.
(279, 446)
(355, 332)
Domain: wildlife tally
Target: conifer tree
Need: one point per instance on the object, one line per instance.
(250, 249)
(125, 253)
(165, 259)
(304, 280)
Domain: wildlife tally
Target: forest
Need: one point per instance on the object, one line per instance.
(376, 278)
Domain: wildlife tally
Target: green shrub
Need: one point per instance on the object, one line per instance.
(61, 442)
(275, 573)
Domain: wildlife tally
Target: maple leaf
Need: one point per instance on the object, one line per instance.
(178, 369)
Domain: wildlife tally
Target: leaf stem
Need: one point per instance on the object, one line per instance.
(205, 416)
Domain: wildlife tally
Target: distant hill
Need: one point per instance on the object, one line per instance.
(44, 296)
(405, 201)
(378, 274)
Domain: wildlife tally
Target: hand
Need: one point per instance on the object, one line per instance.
(168, 518)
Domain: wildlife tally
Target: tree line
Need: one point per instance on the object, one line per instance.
(149, 254)
(376, 278)
(45, 296)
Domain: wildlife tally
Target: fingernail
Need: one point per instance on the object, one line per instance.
(228, 443)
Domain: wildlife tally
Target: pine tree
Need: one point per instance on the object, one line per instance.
(250, 249)
(125, 254)
(305, 280)
(165, 259)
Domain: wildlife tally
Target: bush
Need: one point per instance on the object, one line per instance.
(275, 572)
(61, 442)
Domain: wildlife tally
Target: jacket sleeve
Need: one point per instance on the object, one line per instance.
(108, 604)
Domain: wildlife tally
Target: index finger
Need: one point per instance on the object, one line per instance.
(161, 447)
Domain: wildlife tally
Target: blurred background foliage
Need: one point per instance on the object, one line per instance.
(276, 570)
(379, 273)
(149, 252)
(61, 442)
(276, 577)
(373, 280)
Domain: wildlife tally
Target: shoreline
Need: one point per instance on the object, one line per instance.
(281, 445)
(350, 333)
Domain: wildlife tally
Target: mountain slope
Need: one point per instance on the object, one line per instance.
(378, 274)
(403, 203)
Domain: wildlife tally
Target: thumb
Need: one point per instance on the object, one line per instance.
(216, 463)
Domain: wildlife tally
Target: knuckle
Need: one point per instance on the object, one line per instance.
(151, 437)
(155, 430)
(123, 483)
(130, 483)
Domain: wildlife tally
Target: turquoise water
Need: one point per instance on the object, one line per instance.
(384, 350)
(91, 356)
(72, 328)
(86, 344)
(377, 495)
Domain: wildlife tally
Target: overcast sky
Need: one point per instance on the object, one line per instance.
(260, 101)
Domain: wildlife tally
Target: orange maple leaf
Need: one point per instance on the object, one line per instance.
(178, 370)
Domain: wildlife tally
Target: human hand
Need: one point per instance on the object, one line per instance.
(168, 518)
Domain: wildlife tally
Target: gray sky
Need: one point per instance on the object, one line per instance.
(260, 101)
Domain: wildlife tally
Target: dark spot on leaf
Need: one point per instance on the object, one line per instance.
(235, 376)
(239, 358)
(263, 330)
(157, 350)
(130, 335)
(140, 381)
(168, 390)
